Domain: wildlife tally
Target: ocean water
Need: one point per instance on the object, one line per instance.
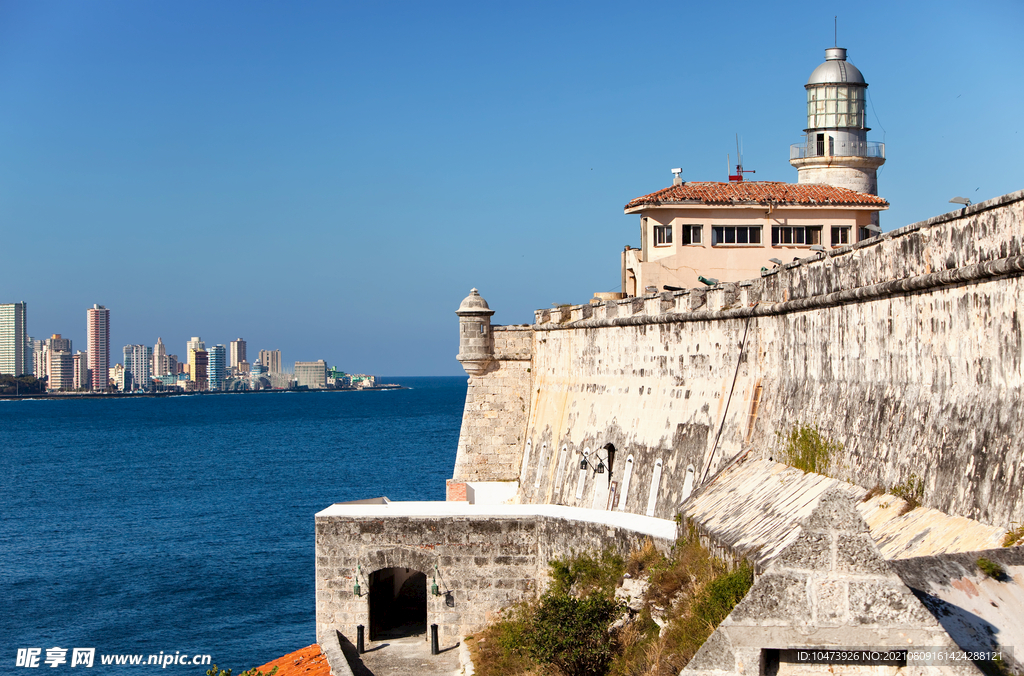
(185, 524)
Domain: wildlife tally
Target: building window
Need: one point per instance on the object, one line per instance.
(735, 234)
(662, 235)
(783, 235)
(840, 236)
(692, 234)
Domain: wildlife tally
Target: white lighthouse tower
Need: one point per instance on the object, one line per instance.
(836, 150)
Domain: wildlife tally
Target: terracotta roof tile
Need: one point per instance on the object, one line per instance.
(310, 661)
(758, 192)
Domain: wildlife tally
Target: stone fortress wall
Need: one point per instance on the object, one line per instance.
(906, 349)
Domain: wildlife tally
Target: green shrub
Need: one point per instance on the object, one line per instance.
(807, 450)
(991, 568)
(699, 618)
(581, 574)
(501, 647)
(572, 633)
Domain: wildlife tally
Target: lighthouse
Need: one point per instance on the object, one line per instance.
(836, 150)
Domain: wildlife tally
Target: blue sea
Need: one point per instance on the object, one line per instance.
(185, 524)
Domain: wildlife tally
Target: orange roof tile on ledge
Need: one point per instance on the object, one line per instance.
(309, 661)
(758, 192)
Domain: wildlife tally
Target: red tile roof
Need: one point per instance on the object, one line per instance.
(758, 192)
(310, 661)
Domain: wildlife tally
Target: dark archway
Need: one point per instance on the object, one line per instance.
(398, 603)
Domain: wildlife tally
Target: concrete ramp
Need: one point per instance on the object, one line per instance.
(753, 509)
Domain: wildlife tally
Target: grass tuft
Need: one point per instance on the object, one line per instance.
(807, 450)
(1014, 536)
(912, 491)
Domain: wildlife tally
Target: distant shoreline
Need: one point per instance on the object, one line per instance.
(153, 395)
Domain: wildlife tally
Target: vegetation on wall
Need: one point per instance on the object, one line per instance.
(578, 628)
(912, 491)
(990, 568)
(807, 450)
(1014, 536)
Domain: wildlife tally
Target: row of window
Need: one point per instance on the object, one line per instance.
(782, 235)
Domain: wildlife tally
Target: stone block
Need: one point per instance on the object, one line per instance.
(858, 554)
(830, 601)
(811, 550)
(775, 596)
(836, 511)
(715, 655)
(886, 603)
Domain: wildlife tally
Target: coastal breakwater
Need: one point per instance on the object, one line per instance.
(905, 349)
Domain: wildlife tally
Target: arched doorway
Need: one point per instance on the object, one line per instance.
(398, 603)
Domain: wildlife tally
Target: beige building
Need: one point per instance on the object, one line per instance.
(312, 374)
(62, 371)
(237, 348)
(271, 360)
(198, 364)
(80, 370)
(729, 231)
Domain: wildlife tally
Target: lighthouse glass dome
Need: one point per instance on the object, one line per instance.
(831, 106)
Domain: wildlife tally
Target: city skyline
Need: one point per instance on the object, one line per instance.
(344, 196)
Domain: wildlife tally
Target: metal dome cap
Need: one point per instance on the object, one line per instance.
(836, 70)
(474, 304)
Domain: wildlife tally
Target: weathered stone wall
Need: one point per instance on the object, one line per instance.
(488, 561)
(494, 419)
(906, 349)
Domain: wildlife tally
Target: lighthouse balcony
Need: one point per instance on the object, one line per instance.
(836, 148)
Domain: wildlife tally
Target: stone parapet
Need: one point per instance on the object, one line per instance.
(487, 557)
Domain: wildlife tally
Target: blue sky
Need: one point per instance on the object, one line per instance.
(330, 179)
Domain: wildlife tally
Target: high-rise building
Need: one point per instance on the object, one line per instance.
(38, 364)
(217, 368)
(15, 350)
(198, 365)
(271, 360)
(312, 374)
(57, 344)
(118, 375)
(62, 371)
(42, 356)
(98, 332)
(195, 344)
(237, 352)
(159, 359)
(81, 366)
(137, 362)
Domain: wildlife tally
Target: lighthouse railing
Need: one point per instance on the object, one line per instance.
(799, 151)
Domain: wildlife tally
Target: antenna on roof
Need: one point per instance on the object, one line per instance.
(738, 176)
(835, 30)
